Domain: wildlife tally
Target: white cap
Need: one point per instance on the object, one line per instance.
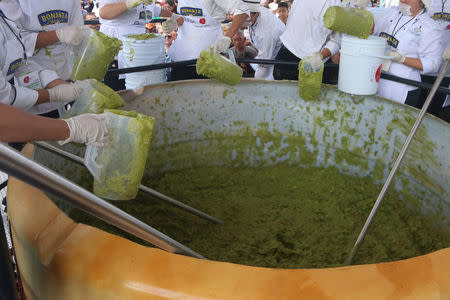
(253, 5)
(427, 4)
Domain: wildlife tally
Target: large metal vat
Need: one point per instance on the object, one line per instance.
(259, 123)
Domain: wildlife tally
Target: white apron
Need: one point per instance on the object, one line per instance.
(132, 21)
(14, 65)
(410, 36)
(47, 15)
(198, 31)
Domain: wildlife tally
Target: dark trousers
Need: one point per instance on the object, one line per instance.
(435, 107)
(330, 74)
(8, 287)
(286, 71)
(184, 73)
(112, 80)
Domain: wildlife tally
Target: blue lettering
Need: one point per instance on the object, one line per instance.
(52, 17)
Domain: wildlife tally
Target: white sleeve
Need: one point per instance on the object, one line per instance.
(20, 97)
(334, 44)
(156, 10)
(431, 48)
(13, 11)
(219, 8)
(76, 17)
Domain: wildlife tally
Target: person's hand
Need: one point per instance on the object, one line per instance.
(134, 3)
(89, 129)
(65, 93)
(72, 34)
(397, 57)
(168, 26)
(360, 3)
(221, 45)
(446, 55)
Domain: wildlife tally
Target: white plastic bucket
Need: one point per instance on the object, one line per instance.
(140, 53)
(360, 64)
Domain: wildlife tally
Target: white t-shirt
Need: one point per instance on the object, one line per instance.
(130, 22)
(265, 36)
(305, 32)
(33, 16)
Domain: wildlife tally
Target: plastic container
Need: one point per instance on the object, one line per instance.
(216, 66)
(360, 64)
(94, 100)
(118, 167)
(141, 50)
(310, 73)
(349, 20)
(94, 56)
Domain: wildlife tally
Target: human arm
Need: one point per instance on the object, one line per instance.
(19, 126)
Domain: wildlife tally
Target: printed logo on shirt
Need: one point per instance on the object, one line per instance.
(442, 16)
(191, 11)
(145, 15)
(13, 66)
(52, 17)
(392, 41)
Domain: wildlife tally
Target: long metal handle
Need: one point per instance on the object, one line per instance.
(25, 169)
(143, 188)
(397, 163)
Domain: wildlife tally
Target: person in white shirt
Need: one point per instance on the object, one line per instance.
(439, 11)
(202, 29)
(416, 44)
(121, 17)
(265, 30)
(305, 34)
(50, 28)
(23, 83)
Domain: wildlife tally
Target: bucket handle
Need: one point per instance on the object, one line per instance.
(90, 156)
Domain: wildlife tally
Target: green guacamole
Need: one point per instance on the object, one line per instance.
(309, 82)
(124, 158)
(142, 36)
(96, 57)
(215, 66)
(349, 20)
(281, 217)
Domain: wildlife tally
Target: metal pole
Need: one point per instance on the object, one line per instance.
(79, 160)
(25, 169)
(397, 163)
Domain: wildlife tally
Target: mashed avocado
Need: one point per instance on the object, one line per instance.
(215, 66)
(142, 36)
(282, 217)
(352, 21)
(96, 57)
(124, 158)
(309, 82)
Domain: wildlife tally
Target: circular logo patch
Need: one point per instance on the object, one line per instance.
(26, 79)
(202, 21)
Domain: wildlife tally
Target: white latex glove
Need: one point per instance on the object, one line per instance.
(87, 129)
(221, 45)
(168, 26)
(65, 93)
(446, 55)
(360, 3)
(262, 72)
(72, 34)
(134, 3)
(397, 57)
(313, 63)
